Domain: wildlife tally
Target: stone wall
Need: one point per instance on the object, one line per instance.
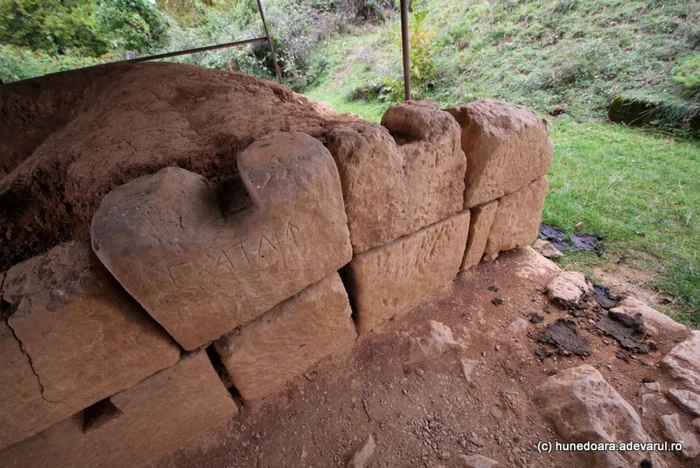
(108, 346)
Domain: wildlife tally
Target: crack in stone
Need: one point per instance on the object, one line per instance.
(31, 365)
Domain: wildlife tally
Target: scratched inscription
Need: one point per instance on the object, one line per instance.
(261, 251)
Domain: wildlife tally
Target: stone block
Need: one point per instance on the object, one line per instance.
(203, 261)
(585, 408)
(479, 228)
(75, 337)
(389, 279)
(134, 427)
(288, 339)
(507, 148)
(683, 362)
(401, 176)
(517, 219)
(23, 411)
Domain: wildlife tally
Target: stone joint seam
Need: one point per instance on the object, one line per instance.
(36, 374)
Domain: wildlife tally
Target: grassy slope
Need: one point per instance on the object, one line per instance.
(640, 189)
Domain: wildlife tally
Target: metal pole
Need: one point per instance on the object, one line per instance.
(199, 49)
(405, 46)
(269, 41)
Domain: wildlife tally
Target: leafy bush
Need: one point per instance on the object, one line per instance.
(51, 26)
(19, 63)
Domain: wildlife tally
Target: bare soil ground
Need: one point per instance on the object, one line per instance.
(428, 413)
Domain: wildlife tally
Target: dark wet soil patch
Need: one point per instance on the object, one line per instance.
(564, 336)
(604, 297)
(561, 241)
(626, 330)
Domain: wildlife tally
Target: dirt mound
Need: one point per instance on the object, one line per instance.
(68, 139)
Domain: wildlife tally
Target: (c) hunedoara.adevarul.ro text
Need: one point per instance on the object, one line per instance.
(548, 447)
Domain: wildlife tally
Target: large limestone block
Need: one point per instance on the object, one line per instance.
(517, 219)
(683, 362)
(203, 262)
(389, 279)
(82, 339)
(507, 147)
(479, 227)
(134, 427)
(400, 176)
(288, 339)
(585, 408)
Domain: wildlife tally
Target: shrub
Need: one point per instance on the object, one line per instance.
(687, 73)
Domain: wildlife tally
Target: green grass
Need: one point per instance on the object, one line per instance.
(642, 191)
(558, 57)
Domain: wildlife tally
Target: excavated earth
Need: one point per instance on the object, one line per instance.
(423, 411)
(66, 140)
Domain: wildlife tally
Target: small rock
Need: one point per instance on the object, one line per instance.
(468, 367)
(435, 344)
(569, 290)
(686, 400)
(683, 362)
(518, 326)
(546, 249)
(673, 430)
(476, 461)
(496, 301)
(419, 371)
(496, 413)
(652, 386)
(654, 321)
(361, 457)
(536, 318)
(444, 455)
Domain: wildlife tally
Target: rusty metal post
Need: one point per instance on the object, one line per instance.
(405, 43)
(269, 41)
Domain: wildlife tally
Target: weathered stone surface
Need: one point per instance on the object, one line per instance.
(686, 400)
(146, 422)
(437, 342)
(683, 362)
(476, 461)
(82, 336)
(507, 147)
(547, 249)
(672, 426)
(569, 289)
(202, 263)
(696, 425)
(387, 280)
(585, 408)
(360, 459)
(23, 411)
(479, 227)
(399, 177)
(288, 339)
(533, 265)
(654, 321)
(517, 219)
